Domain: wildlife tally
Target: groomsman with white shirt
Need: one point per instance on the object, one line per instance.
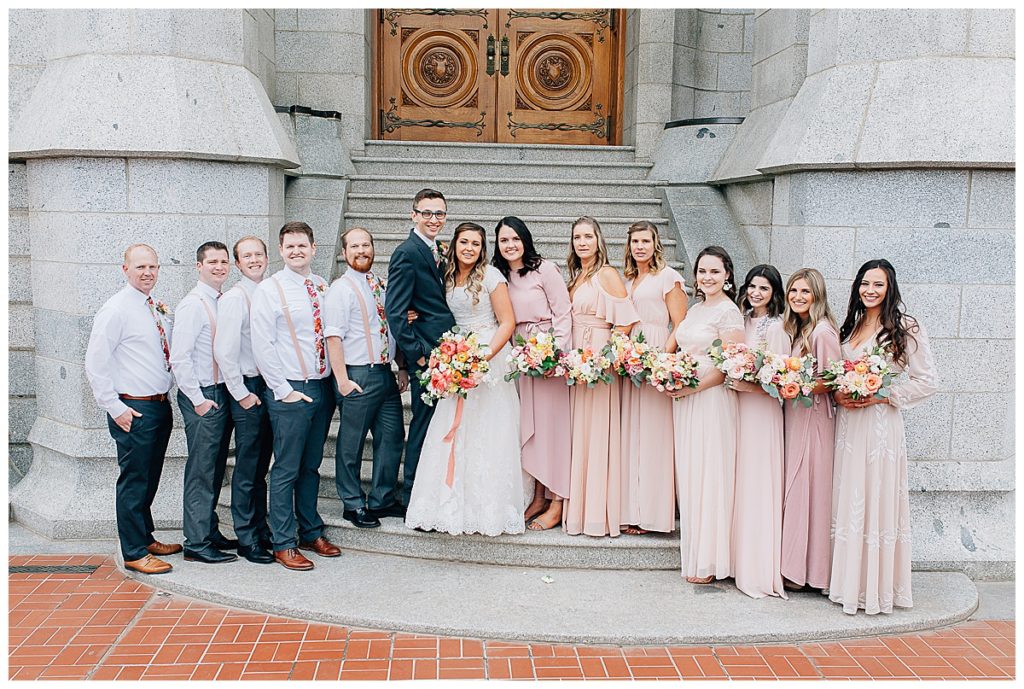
(253, 437)
(202, 398)
(288, 341)
(361, 349)
(128, 366)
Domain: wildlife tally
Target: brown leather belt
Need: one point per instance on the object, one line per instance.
(144, 398)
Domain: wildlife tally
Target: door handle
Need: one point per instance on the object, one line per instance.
(504, 56)
(490, 55)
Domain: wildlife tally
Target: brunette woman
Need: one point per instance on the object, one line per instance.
(705, 425)
(599, 303)
(648, 470)
(810, 434)
(871, 504)
(757, 514)
(541, 303)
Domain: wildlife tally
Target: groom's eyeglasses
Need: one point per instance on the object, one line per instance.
(427, 215)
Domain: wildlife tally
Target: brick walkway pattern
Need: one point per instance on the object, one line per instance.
(105, 625)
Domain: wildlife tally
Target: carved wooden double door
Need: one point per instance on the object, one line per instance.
(490, 75)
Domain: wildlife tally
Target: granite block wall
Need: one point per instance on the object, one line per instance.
(21, 327)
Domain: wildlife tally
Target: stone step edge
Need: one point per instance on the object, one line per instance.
(502, 180)
(516, 199)
(537, 239)
(525, 218)
(356, 160)
(497, 146)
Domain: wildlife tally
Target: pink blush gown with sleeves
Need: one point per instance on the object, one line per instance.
(648, 455)
(594, 482)
(541, 303)
(757, 514)
(807, 501)
(870, 499)
(705, 442)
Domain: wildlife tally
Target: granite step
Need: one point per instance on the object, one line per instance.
(506, 169)
(540, 225)
(497, 153)
(405, 187)
(524, 603)
(474, 204)
(387, 242)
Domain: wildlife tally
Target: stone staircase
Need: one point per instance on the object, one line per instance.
(547, 186)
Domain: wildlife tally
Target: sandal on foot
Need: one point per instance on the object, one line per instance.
(537, 525)
(701, 580)
(634, 530)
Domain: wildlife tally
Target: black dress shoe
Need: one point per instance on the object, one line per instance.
(395, 509)
(210, 556)
(256, 553)
(220, 542)
(361, 517)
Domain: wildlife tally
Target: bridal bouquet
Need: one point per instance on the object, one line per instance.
(537, 355)
(584, 367)
(669, 372)
(456, 366)
(736, 360)
(630, 358)
(786, 377)
(870, 375)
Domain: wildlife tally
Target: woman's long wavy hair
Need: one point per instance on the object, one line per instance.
(723, 255)
(575, 265)
(629, 267)
(798, 329)
(897, 328)
(475, 281)
(777, 304)
(531, 259)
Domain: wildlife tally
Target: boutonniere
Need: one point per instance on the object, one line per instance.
(442, 247)
(321, 288)
(162, 308)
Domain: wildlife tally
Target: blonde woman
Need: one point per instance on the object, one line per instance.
(648, 471)
(486, 495)
(810, 436)
(599, 303)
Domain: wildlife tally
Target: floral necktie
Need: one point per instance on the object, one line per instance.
(435, 253)
(378, 298)
(163, 335)
(318, 327)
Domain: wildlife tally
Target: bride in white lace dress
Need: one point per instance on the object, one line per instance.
(487, 494)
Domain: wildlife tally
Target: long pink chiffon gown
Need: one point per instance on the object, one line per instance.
(648, 454)
(807, 501)
(871, 502)
(541, 303)
(757, 513)
(705, 442)
(594, 483)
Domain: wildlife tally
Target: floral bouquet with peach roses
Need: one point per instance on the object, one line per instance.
(585, 367)
(456, 366)
(537, 355)
(870, 375)
(630, 358)
(672, 371)
(787, 377)
(736, 360)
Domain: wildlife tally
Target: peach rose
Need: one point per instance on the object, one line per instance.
(793, 363)
(860, 367)
(872, 382)
(790, 391)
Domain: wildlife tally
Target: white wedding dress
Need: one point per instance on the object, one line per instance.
(487, 493)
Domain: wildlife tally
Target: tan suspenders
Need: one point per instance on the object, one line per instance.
(291, 327)
(213, 335)
(366, 318)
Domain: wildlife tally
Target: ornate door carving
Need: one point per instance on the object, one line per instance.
(560, 86)
(487, 75)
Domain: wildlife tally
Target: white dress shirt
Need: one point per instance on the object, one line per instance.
(124, 355)
(233, 344)
(345, 319)
(192, 350)
(271, 338)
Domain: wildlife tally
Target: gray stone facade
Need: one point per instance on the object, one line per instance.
(867, 133)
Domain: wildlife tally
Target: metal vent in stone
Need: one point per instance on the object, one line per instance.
(52, 569)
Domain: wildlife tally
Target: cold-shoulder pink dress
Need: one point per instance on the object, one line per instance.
(648, 454)
(705, 442)
(870, 498)
(594, 476)
(541, 303)
(757, 512)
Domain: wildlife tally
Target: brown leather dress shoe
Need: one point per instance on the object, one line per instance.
(163, 549)
(322, 547)
(292, 559)
(149, 565)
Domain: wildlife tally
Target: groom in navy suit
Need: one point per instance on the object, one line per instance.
(416, 282)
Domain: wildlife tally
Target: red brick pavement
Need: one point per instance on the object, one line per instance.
(105, 625)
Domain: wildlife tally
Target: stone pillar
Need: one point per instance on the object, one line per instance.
(145, 126)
